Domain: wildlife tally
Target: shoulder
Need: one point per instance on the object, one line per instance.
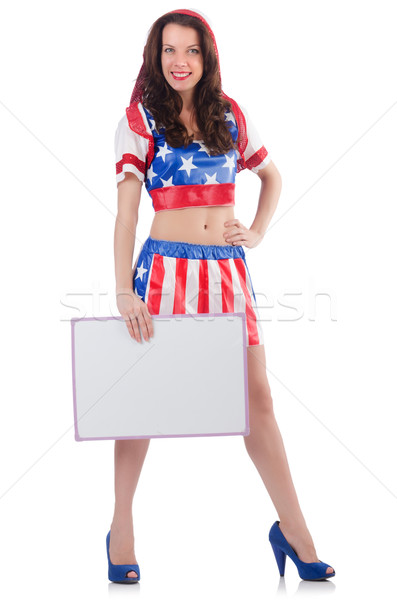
(236, 108)
(240, 112)
(137, 118)
(122, 123)
(133, 143)
(253, 154)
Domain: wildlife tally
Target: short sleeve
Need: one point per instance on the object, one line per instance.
(130, 151)
(256, 155)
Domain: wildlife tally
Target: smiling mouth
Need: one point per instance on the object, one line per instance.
(180, 74)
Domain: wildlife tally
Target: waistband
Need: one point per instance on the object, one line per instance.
(186, 196)
(187, 250)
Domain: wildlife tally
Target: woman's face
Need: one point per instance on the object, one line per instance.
(181, 58)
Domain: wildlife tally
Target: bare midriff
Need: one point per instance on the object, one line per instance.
(197, 225)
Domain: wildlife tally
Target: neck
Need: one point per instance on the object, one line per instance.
(187, 99)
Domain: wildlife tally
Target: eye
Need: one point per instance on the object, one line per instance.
(166, 50)
(194, 50)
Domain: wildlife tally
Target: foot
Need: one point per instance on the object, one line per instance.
(121, 548)
(302, 544)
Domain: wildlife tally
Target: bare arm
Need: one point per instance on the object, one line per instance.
(268, 199)
(131, 307)
(236, 232)
(129, 196)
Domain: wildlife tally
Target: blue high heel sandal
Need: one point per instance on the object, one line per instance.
(314, 571)
(118, 573)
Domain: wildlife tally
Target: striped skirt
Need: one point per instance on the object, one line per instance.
(183, 278)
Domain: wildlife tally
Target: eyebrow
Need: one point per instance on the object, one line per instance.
(191, 45)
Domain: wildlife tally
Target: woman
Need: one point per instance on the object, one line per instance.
(185, 139)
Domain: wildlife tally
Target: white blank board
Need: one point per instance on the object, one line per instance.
(189, 379)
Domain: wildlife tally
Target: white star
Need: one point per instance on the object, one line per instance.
(203, 147)
(152, 124)
(211, 178)
(167, 182)
(230, 117)
(141, 271)
(229, 164)
(187, 165)
(150, 174)
(163, 150)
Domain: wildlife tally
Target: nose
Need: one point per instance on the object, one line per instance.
(180, 60)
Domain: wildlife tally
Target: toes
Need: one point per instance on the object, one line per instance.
(132, 574)
(329, 570)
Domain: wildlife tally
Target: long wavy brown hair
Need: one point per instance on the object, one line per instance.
(165, 103)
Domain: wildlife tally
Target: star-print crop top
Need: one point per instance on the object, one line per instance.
(182, 177)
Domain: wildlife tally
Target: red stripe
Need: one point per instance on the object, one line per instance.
(227, 286)
(130, 159)
(180, 286)
(203, 299)
(156, 284)
(185, 196)
(137, 124)
(253, 336)
(256, 158)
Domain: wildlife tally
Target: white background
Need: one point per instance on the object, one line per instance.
(318, 79)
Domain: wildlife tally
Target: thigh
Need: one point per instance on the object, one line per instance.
(260, 398)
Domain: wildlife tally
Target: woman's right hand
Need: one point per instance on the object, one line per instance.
(135, 311)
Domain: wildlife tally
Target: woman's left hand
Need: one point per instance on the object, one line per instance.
(238, 235)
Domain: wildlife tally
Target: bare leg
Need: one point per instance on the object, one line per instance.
(129, 456)
(266, 449)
